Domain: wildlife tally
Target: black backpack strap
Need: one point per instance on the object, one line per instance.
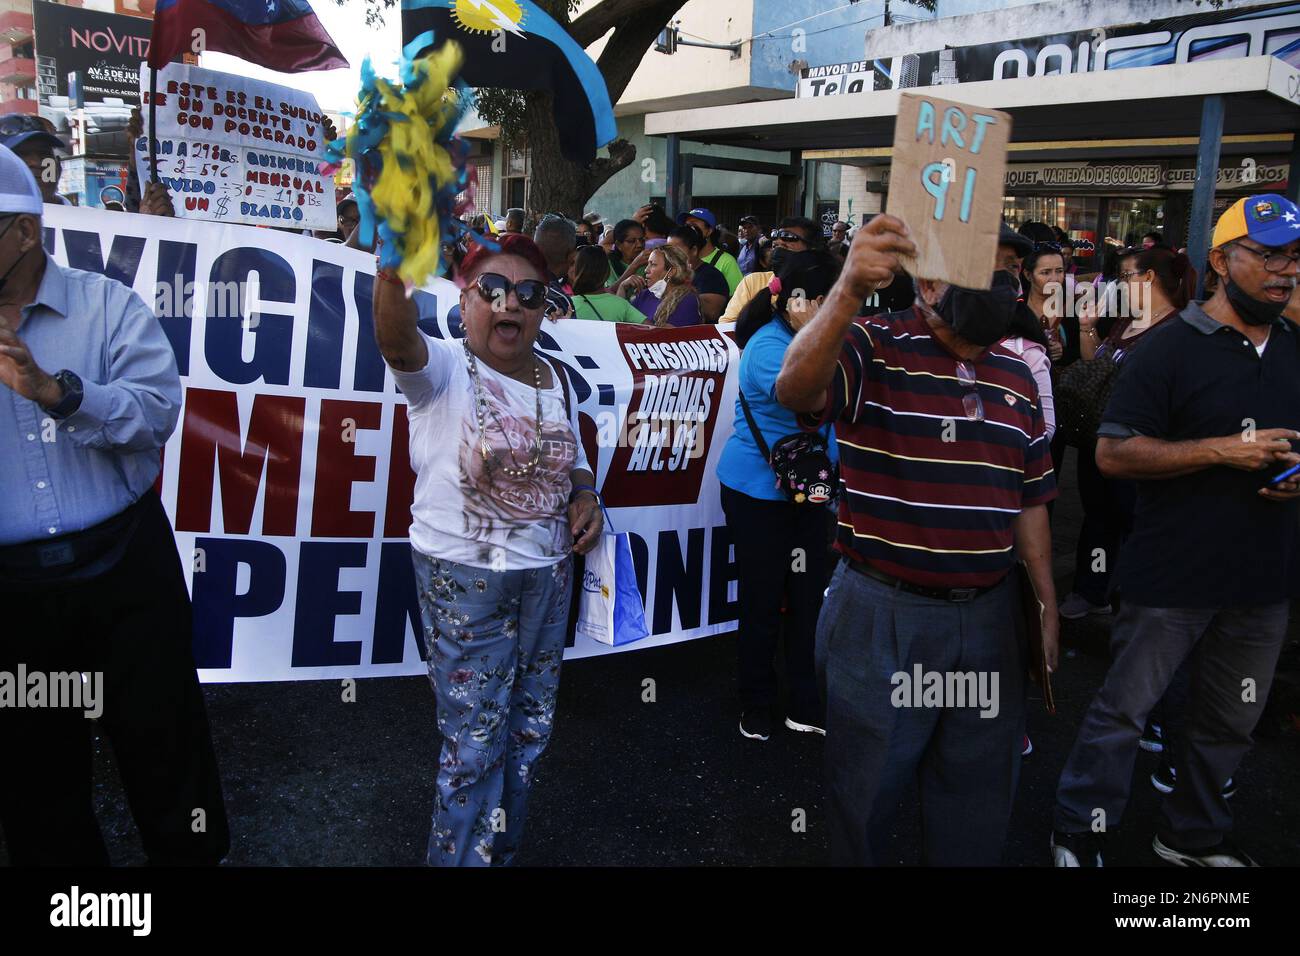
(753, 427)
(562, 374)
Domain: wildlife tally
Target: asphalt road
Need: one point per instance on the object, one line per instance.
(311, 780)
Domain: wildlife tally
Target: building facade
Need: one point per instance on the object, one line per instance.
(1119, 188)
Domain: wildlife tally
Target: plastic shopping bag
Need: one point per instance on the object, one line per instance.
(610, 609)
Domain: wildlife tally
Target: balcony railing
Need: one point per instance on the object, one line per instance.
(15, 25)
(17, 69)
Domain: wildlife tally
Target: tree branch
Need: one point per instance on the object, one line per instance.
(622, 55)
(621, 155)
(611, 14)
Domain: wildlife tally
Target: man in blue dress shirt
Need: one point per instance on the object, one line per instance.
(89, 573)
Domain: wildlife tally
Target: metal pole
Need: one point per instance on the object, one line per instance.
(153, 125)
(672, 185)
(1293, 174)
(809, 199)
(1207, 171)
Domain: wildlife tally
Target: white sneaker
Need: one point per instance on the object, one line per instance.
(1224, 854)
(1076, 606)
(804, 728)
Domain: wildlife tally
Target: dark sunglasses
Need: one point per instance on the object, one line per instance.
(972, 403)
(494, 288)
(789, 236)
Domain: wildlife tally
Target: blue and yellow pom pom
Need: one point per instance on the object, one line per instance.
(409, 167)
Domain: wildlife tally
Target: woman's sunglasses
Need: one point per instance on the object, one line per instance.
(494, 288)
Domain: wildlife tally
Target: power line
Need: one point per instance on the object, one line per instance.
(773, 34)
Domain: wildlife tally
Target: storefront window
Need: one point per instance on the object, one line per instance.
(1129, 220)
(1076, 215)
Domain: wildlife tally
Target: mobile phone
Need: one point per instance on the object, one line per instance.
(1289, 473)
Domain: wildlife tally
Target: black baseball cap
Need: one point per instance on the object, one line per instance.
(1009, 237)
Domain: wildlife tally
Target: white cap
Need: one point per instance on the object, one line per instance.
(500, 224)
(18, 190)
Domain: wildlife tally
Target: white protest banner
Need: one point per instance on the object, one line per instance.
(946, 183)
(288, 478)
(236, 150)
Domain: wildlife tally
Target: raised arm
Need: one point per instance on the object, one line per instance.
(396, 333)
(810, 361)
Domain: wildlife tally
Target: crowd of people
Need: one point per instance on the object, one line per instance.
(898, 436)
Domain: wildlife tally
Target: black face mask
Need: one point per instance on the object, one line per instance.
(980, 317)
(777, 257)
(1251, 310)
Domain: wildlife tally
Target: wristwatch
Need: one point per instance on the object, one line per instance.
(73, 393)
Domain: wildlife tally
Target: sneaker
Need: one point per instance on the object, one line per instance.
(1153, 738)
(1076, 849)
(806, 725)
(756, 724)
(1221, 854)
(1076, 606)
(1165, 778)
(1026, 747)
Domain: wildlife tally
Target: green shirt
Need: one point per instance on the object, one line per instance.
(726, 263)
(603, 305)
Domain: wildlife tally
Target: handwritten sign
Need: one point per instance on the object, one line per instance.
(946, 183)
(232, 149)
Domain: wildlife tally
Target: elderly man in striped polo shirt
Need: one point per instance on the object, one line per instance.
(946, 473)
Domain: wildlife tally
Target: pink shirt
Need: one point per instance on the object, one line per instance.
(1040, 365)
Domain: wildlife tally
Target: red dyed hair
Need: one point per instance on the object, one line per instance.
(513, 244)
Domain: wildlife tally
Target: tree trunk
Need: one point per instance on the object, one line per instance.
(558, 185)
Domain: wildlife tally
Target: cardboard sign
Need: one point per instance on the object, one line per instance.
(240, 184)
(946, 183)
(232, 149)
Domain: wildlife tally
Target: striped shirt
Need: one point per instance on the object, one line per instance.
(928, 495)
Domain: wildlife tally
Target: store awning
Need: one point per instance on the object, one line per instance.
(1262, 95)
(1202, 102)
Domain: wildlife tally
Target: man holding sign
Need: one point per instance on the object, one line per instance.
(947, 473)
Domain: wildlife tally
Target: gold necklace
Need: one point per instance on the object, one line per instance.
(481, 405)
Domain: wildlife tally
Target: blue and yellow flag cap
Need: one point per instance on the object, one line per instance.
(1269, 219)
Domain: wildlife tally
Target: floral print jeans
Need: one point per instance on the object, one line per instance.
(495, 641)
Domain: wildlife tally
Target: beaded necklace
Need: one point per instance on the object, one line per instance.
(481, 405)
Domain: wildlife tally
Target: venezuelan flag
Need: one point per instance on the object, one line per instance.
(281, 35)
(538, 55)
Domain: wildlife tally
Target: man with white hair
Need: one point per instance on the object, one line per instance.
(89, 574)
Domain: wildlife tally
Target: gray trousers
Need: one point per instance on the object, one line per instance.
(1233, 654)
(965, 758)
